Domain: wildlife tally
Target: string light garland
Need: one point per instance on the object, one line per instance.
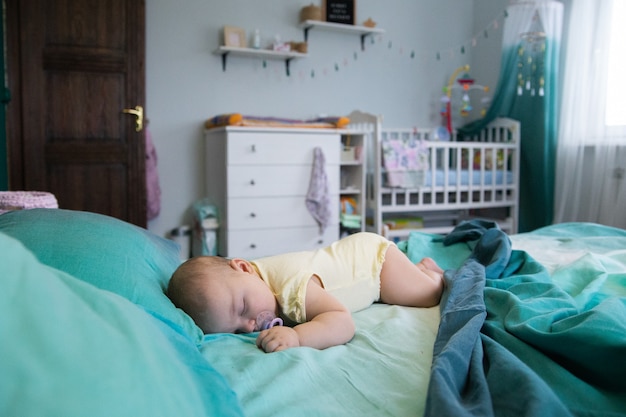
(448, 53)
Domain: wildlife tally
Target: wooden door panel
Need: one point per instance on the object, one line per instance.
(109, 177)
(90, 23)
(85, 107)
(80, 63)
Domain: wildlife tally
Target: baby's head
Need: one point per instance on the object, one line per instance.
(221, 295)
(190, 285)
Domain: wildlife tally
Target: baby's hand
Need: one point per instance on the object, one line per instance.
(277, 338)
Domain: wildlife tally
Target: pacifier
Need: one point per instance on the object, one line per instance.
(266, 320)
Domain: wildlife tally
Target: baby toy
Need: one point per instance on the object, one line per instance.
(349, 217)
(348, 205)
(466, 83)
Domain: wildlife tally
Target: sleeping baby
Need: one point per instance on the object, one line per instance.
(314, 292)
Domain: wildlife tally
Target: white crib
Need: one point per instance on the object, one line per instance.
(475, 176)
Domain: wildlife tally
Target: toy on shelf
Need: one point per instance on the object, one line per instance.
(350, 219)
(465, 83)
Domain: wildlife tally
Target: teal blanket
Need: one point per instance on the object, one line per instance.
(517, 338)
(529, 325)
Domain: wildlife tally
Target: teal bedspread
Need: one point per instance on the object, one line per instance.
(520, 339)
(529, 325)
(382, 372)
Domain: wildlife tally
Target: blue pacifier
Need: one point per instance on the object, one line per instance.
(267, 320)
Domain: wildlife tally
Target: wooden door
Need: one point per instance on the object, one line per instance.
(73, 67)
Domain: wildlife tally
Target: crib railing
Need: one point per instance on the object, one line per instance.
(459, 175)
(479, 171)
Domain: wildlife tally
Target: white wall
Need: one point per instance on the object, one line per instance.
(488, 14)
(186, 84)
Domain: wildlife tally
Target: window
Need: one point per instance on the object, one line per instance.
(616, 93)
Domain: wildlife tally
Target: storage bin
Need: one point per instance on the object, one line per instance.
(205, 229)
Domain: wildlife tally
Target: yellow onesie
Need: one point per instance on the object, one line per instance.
(349, 269)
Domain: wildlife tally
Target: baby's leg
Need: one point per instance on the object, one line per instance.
(404, 283)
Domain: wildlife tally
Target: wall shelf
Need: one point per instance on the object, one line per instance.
(363, 31)
(286, 56)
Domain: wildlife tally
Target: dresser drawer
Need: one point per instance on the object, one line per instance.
(267, 181)
(254, 148)
(252, 244)
(260, 213)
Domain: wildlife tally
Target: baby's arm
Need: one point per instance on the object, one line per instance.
(329, 323)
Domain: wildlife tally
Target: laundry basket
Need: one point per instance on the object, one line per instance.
(23, 200)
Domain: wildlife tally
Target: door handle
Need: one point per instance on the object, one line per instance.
(138, 113)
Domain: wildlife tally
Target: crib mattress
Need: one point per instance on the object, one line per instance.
(464, 177)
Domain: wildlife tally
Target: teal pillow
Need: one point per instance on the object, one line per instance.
(70, 349)
(111, 254)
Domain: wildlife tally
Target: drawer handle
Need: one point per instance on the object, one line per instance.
(252, 214)
(252, 246)
(319, 242)
(252, 182)
(253, 148)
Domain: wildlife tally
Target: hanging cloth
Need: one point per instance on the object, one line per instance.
(317, 197)
(153, 189)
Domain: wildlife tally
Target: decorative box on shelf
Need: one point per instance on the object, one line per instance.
(351, 154)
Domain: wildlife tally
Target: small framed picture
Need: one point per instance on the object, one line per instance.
(234, 36)
(339, 11)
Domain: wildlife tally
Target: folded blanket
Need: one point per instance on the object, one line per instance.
(237, 119)
(21, 200)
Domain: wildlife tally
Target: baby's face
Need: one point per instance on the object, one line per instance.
(235, 301)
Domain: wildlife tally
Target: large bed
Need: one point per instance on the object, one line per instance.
(530, 324)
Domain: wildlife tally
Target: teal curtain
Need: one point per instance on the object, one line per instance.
(527, 91)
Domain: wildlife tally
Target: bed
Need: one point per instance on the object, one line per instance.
(414, 174)
(529, 324)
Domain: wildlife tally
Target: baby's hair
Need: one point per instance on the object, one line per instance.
(185, 286)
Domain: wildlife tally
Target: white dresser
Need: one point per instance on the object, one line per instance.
(259, 178)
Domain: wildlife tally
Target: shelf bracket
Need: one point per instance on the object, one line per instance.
(306, 33)
(363, 36)
(287, 70)
(224, 55)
